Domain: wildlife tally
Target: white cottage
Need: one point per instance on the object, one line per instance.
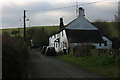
(79, 31)
(59, 41)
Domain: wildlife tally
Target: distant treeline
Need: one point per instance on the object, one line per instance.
(110, 30)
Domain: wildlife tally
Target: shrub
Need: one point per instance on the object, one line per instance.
(83, 50)
(14, 57)
(94, 52)
(60, 53)
(38, 36)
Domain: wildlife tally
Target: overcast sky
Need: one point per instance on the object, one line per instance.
(39, 14)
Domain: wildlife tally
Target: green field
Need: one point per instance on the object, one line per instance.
(48, 29)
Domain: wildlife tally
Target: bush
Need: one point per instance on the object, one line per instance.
(110, 52)
(38, 36)
(83, 50)
(60, 53)
(14, 57)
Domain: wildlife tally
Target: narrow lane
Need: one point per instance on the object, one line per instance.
(0, 60)
(51, 67)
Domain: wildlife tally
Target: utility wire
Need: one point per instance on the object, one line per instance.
(67, 6)
(77, 5)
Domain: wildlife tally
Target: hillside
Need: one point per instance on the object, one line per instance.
(48, 29)
(109, 29)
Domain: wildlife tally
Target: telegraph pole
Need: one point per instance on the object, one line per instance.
(24, 25)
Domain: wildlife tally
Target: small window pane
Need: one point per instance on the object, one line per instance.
(105, 44)
(100, 44)
(62, 33)
(56, 45)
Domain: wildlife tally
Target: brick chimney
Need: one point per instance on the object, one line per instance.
(61, 24)
(81, 12)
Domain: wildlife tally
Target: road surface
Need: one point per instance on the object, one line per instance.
(0, 58)
(51, 67)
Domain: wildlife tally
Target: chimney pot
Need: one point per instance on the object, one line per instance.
(61, 24)
(81, 12)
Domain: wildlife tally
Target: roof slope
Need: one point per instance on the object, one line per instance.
(81, 23)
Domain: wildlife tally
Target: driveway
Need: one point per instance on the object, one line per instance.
(51, 67)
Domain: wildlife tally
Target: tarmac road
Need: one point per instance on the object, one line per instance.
(0, 67)
(51, 67)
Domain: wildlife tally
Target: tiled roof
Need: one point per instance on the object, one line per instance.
(81, 23)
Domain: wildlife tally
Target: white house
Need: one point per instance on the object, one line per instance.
(79, 31)
(59, 41)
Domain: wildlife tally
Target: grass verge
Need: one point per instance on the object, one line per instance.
(103, 65)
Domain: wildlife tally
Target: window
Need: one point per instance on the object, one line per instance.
(105, 43)
(62, 33)
(99, 44)
(63, 44)
(56, 45)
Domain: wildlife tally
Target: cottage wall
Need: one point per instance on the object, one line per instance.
(63, 40)
(52, 39)
(61, 44)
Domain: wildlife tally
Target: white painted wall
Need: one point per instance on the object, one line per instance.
(63, 40)
(63, 44)
(52, 39)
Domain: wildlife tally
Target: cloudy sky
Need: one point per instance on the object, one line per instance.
(48, 12)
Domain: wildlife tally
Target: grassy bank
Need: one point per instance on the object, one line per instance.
(103, 65)
(48, 29)
(15, 58)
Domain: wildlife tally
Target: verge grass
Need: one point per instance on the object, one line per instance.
(103, 65)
